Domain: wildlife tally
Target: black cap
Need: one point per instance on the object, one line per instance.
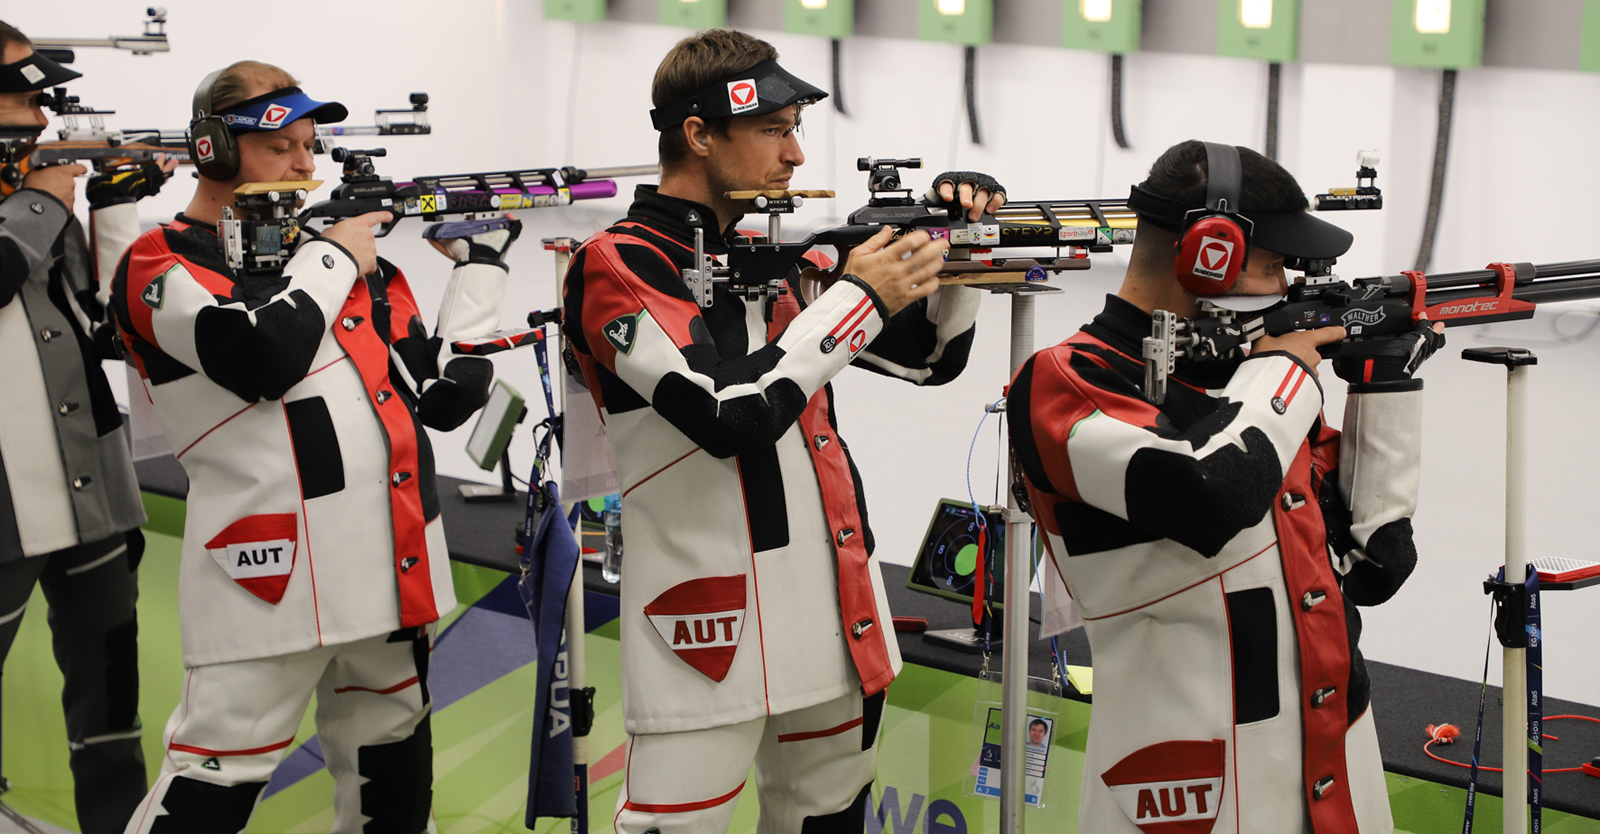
(35, 72)
(761, 89)
(1297, 234)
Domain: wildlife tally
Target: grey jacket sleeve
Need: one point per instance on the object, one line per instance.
(30, 222)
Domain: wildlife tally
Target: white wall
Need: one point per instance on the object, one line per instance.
(510, 89)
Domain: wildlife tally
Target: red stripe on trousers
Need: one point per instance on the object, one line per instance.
(683, 807)
(391, 690)
(206, 751)
(831, 731)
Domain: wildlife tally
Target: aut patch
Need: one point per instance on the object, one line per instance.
(257, 552)
(1170, 788)
(701, 621)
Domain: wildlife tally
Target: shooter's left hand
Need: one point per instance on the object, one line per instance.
(1391, 360)
(977, 194)
(485, 248)
(129, 183)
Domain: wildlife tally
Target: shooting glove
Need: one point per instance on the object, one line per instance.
(127, 184)
(978, 182)
(1388, 360)
(485, 248)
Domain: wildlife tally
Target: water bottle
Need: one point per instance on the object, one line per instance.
(611, 565)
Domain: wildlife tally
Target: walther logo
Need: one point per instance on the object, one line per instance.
(1482, 306)
(1362, 317)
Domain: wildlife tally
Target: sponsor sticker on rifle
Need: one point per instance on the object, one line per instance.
(742, 95)
(701, 621)
(1076, 233)
(1358, 319)
(623, 331)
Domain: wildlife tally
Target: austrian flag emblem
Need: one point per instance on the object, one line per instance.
(1170, 788)
(701, 621)
(742, 95)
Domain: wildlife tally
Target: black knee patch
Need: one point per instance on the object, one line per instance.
(871, 715)
(195, 807)
(399, 788)
(852, 820)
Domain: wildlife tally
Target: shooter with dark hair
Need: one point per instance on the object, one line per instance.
(754, 622)
(1218, 538)
(69, 502)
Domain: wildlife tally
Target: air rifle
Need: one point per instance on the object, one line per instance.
(1370, 310)
(269, 218)
(153, 40)
(1073, 227)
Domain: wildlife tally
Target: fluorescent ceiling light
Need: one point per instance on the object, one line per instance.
(814, 4)
(953, 7)
(1095, 11)
(1255, 14)
(1433, 17)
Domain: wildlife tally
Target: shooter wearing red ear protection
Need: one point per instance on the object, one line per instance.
(1195, 535)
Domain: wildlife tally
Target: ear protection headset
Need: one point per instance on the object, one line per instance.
(1213, 241)
(214, 148)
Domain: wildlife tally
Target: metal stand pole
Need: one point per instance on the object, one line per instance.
(1014, 654)
(1514, 717)
(1514, 694)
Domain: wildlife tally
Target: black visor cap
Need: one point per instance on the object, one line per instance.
(1298, 234)
(35, 72)
(763, 88)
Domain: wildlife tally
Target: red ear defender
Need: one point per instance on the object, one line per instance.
(1215, 240)
(1211, 255)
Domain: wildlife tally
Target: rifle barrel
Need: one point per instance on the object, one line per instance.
(624, 171)
(1448, 280)
(1070, 212)
(1541, 292)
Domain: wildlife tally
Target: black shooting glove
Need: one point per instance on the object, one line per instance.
(979, 182)
(485, 247)
(1388, 360)
(127, 184)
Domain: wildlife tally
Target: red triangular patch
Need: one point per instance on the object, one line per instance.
(258, 553)
(701, 621)
(1170, 788)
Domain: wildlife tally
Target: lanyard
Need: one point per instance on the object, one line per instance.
(1532, 639)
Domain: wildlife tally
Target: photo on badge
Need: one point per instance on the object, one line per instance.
(986, 745)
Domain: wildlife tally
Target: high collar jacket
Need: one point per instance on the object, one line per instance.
(296, 403)
(66, 477)
(750, 587)
(1216, 545)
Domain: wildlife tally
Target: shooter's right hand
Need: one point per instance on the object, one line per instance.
(900, 272)
(355, 235)
(56, 180)
(1302, 344)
